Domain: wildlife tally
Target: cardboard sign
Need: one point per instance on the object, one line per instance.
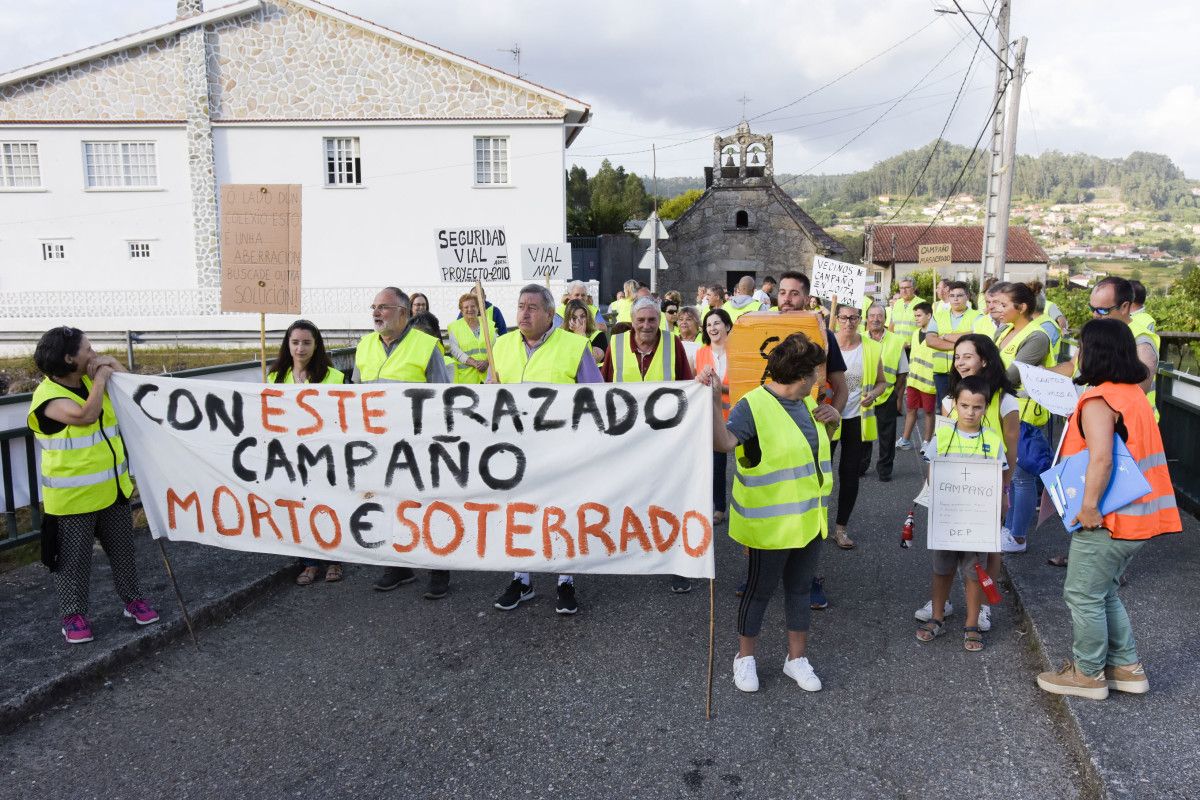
(838, 279)
(449, 476)
(755, 336)
(934, 255)
(964, 504)
(1056, 392)
(542, 262)
(260, 247)
(466, 255)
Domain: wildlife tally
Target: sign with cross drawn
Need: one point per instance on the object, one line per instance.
(964, 504)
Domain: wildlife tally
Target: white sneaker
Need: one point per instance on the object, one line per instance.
(1008, 544)
(903, 444)
(799, 670)
(745, 674)
(985, 619)
(925, 612)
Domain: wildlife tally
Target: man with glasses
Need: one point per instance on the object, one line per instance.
(947, 327)
(900, 320)
(398, 353)
(891, 401)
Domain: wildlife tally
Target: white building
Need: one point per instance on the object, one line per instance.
(111, 159)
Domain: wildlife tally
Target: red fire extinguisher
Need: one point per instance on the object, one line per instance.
(906, 535)
(988, 585)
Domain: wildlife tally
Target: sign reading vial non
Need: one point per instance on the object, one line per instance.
(934, 255)
(830, 279)
(964, 504)
(260, 248)
(466, 255)
(543, 262)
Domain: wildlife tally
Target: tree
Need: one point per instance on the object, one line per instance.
(579, 195)
(633, 195)
(607, 202)
(674, 208)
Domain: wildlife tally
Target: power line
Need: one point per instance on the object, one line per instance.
(999, 58)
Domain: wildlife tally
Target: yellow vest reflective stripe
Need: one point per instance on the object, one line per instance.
(1031, 412)
(406, 364)
(900, 316)
(952, 442)
(82, 465)
(625, 367)
(555, 361)
(734, 313)
(942, 359)
(920, 365)
(331, 376)
(1146, 333)
(473, 345)
(780, 502)
(892, 348)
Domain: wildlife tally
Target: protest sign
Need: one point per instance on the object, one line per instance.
(964, 504)
(934, 255)
(544, 262)
(525, 477)
(755, 336)
(1056, 392)
(467, 255)
(260, 248)
(830, 279)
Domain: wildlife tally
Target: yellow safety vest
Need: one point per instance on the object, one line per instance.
(555, 361)
(920, 365)
(561, 310)
(779, 503)
(942, 359)
(1031, 412)
(1143, 319)
(892, 347)
(406, 364)
(624, 308)
(625, 367)
(82, 465)
(473, 345)
(734, 313)
(991, 417)
(872, 351)
(900, 317)
(1137, 324)
(331, 376)
(989, 443)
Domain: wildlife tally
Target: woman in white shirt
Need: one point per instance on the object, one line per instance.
(717, 326)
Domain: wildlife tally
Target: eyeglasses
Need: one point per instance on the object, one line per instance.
(672, 310)
(1103, 312)
(384, 307)
(854, 318)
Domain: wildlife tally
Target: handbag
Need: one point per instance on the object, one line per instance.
(1033, 451)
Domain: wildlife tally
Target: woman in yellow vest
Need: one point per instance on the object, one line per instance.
(467, 346)
(1020, 340)
(782, 478)
(302, 359)
(1104, 652)
(717, 326)
(578, 319)
(85, 478)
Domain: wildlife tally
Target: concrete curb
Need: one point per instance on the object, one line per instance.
(17, 711)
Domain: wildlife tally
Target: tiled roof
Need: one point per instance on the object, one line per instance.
(966, 243)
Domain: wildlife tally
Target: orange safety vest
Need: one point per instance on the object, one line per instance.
(1155, 513)
(705, 358)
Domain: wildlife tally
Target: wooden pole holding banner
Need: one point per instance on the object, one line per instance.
(262, 343)
(483, 326)
(187, 619)
(712, 604)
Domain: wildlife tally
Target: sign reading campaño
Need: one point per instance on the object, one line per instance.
(830, 279)
(964, 504)
(466, 255)
(260, 247)
(543, 262)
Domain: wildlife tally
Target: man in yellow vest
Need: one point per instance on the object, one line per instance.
(1137, 311)
(649, 353)
(947, 327)
(538, 352)
(900, 320)
(889, 404)
(398, 353)
(743, 301)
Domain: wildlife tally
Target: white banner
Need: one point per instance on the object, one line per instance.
(544, 262)
(593, 478)
(1056, 392)
(846, 282)
(964, 504)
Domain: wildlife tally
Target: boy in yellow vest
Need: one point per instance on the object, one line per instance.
(921, 392)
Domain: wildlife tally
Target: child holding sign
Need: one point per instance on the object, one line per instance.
(966, 437)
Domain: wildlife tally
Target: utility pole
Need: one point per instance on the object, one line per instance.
(654, 216)
(1010, 158)
(995, 150)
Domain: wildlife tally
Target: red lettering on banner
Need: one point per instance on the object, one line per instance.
(705, 540)
(370, 413)
(449, 511)
(187, 502)
(555, 527)
(659, 514)
(342, 395)
(268, 411)
(512, 528)
(318, 423)
(408, 523)
(482, 510)
(316, 531)
(260, 509)
(222, 528)
(596, 529)
(631, 529)
(292, 506)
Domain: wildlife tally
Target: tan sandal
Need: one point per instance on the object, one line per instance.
(843, 541)
(931, 630)
(306, 576)
(972, 640)
(333, 573)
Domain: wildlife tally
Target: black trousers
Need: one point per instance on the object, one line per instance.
(851, 445)
(885, 421)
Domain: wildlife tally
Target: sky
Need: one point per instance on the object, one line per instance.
(1103, 77)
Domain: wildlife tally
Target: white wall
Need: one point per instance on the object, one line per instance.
(98, 223)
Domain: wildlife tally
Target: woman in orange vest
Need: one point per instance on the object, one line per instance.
(715, 333)
(1105, 655)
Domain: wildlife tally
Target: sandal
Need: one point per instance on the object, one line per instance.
(333, 573)
(1057, 561)
(931, 630)
(306, 576)
(718, 517)
(843, 541)
(972, 639)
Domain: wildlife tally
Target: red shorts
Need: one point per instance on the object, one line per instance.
(915, 399)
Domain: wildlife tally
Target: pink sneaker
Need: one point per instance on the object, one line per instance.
(76, 629)
(141, 612)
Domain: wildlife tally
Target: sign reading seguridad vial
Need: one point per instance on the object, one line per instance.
(466, 255)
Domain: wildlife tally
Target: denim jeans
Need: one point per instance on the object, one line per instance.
(1103, 635)
(1023, 505)
(942, 381)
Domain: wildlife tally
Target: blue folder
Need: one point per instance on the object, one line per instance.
(1064, 483)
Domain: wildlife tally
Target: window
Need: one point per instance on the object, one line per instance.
(53, 251)
(139, 249)
(19, 168)
(343, 165)
(120, 165)
(491, 160)
(741, 220)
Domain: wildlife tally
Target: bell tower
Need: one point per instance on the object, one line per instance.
(743, 159)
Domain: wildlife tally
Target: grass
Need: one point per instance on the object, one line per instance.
(20, 375)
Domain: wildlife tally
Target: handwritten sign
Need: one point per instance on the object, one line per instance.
(1056, 392)
(755, 336)
(466, 255)
(837, 278)
(964, 504)
(260, 248)
(481, 477)
(541, 262)
(934, 255)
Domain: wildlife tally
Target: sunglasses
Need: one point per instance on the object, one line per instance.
(672, 310)
(1103, 312)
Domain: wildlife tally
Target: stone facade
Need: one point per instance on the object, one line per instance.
(201, 166)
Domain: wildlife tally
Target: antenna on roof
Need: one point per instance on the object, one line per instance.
(515, 52)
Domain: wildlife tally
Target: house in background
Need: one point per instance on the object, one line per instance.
(892, 251)
(111, 159)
